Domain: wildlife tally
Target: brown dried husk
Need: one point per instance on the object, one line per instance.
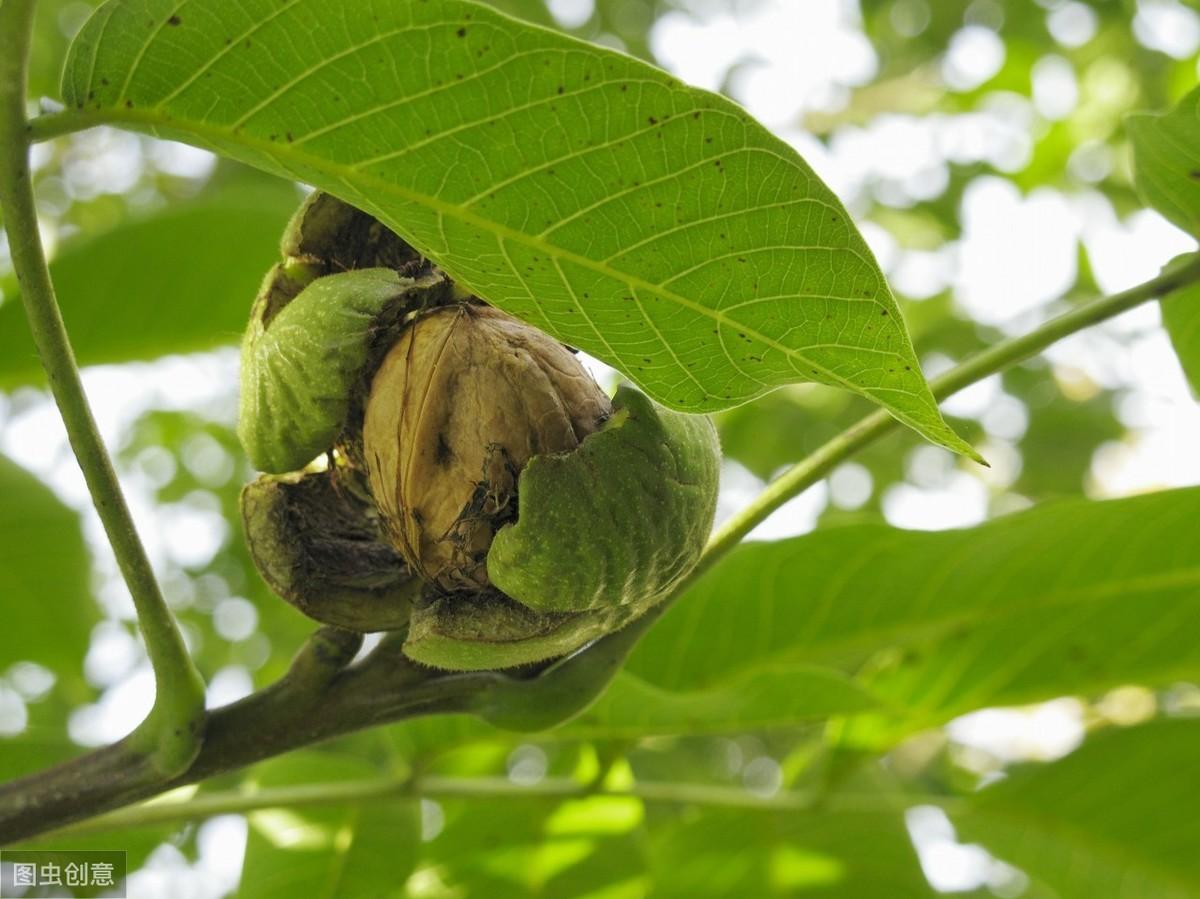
(463, 400)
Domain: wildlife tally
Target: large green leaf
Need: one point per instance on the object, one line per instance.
(1181, 318)
(827, 853)
(178, 281)
(1166, 156)
(656, 226)
(1117, 818)
(47, 603)
(1069, 596)
(350, 851)
(778, 695)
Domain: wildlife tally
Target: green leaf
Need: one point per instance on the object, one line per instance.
(177, 281)
(828, 853)
(1166, 160)
(509, 848)
(353, 851)
(1181, 318)
(1116, 818)
(656, 226)
(48, 607)
(1069, 596)
(777, 696)
(49, 43)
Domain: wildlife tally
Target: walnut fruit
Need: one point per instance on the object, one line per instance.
(462, 401)
(440, 468)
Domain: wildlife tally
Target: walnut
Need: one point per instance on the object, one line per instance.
(462, 401)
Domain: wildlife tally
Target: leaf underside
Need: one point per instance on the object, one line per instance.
(656, 226)
(1166, 153)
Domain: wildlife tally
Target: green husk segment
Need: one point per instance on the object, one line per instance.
(603, 534)
(489, 631)
(620, 519)
(301, 364)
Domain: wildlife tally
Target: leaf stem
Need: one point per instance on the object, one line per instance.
(871, 427)
(172, 732)
(50, 125)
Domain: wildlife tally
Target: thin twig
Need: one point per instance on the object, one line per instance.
(390, 789)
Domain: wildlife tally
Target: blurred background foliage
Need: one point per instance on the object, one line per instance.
(980, 146)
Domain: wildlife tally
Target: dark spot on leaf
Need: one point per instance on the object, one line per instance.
(462, 32)
(129, 104)
(560, 88)
(883, 312)
(174, 20)
(653, 120)
(442, 453)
